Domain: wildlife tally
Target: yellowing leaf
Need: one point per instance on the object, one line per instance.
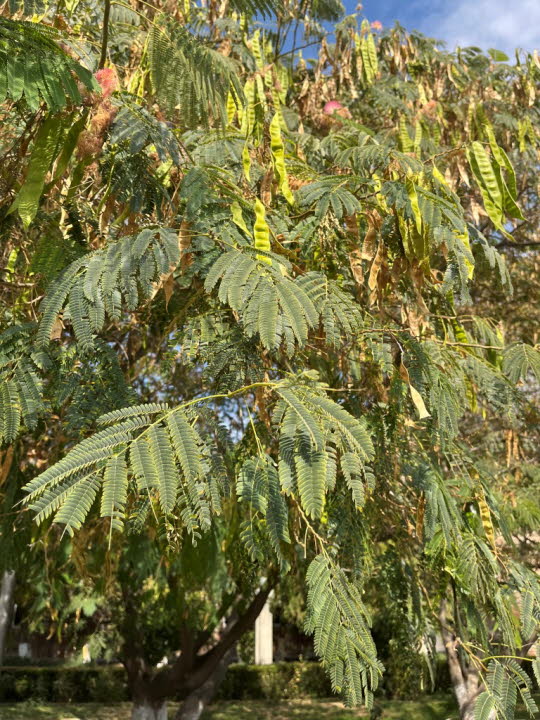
(238, 218)
(419, 403)
(485, 516)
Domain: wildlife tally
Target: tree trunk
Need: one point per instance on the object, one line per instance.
(193, 706)
(466, 681)
(6, 605)
(147, 710)
(194, 675)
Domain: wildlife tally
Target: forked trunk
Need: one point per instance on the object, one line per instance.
(147, 710)
(193, 706)
(191, 709)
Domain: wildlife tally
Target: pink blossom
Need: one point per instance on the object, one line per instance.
(331, 107)
(376, 25)
(108, 80)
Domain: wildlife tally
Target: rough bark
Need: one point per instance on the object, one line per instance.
(6, 606)
(193, 706)
(149, 711)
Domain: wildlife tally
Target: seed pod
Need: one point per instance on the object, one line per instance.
(261, 232)
(278, 156)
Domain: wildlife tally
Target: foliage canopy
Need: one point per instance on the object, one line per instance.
(217, 292)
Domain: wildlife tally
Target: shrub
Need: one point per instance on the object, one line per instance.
(108, 683)
(281, 680)
(63, 684)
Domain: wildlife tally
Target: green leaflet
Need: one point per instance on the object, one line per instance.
(526, 132)
(464, 238)
(268, 301)
(258, 486)
(278, 156)
(340, 623)
(520, 360)
(484, 706)
(95, 284)
(185, 72)
(261, 232)
(372, 56)
(283, 77)
(34, 67)
(115, 486)
(43, 153)
(413, 232)
(154, 458)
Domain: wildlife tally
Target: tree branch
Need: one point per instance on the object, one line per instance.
(105, 34)
(209, 662)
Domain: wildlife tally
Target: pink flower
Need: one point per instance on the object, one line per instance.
(108, 80)
(376, 25)
(331, 107)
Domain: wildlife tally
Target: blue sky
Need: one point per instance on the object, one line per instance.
(501, 24)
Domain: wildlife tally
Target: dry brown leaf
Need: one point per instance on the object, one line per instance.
(56, 332)
(184, 242)
(355, 260)
(463, 174)
(168, 288)
(5, 464)
(375, 268)
(369, 244)
(266, 187)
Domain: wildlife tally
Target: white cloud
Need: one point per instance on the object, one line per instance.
(501, 24)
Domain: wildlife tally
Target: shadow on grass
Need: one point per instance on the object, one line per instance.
(439, 707)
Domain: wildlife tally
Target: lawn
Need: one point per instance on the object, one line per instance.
(433, 708)
(438, 707)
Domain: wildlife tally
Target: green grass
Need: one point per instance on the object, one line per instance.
(433, 708)
(437, 707)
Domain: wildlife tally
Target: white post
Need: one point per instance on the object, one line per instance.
(264, 641)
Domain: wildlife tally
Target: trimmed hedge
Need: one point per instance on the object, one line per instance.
(63, 684)
(271, 682)
(108, 683)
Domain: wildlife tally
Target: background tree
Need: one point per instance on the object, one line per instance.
(300, 242)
